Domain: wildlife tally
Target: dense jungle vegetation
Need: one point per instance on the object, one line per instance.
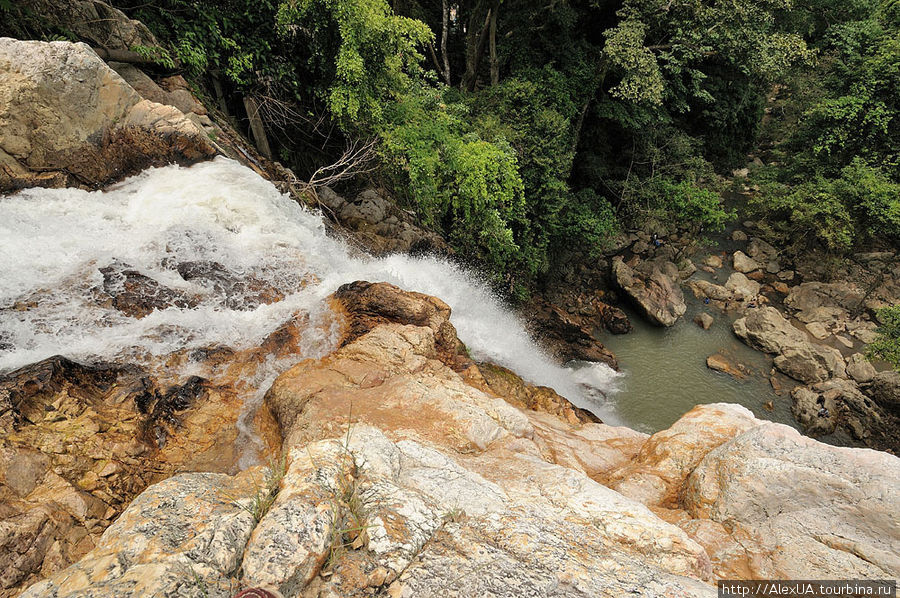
(526, 129)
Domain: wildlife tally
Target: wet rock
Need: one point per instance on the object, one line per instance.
(720, 363)
(78, 442)
(704, 321)
(371, 304)
(239, 293)
(860, 369)
(100, 141)
(572, 335)
(743, 263)
(418, 476)
(837, 525)
(504, 383)
(137, 295)
(653, 288)
(739, 236)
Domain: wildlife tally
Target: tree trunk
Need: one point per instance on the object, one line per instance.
(475, 41)
(445, 33)
(256, 127)
(495, 66)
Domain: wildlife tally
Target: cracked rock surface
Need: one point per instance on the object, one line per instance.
(407, 477)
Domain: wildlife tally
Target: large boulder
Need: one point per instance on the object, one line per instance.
(885, 390)
(839, 403)
(401, 476)
(809, 510)
(860, 369)
(807, 296)
(94, 21)
(767, 330)
(66, 118)
(408, 476)
(743, 288)
(654, 289)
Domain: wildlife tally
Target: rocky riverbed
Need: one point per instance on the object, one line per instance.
(402, 462)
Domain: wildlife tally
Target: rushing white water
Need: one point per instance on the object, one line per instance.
(54, 242)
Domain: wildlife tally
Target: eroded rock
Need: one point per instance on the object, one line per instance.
(767, 330)
(111, 132)
(653, 287)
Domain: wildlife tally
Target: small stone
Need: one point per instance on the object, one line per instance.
(739, 236)
(859, 368)
(786, 275)
(719, 363)
(818, 330)
(377, 577)
(743, 263)
(713, 261)
(704, 321)
(844, 340)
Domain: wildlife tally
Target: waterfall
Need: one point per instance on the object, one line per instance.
(54, 243)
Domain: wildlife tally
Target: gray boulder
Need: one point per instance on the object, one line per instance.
(767, 330)
(654, 289)
(744, 263)
(859, 368)
(67, 118)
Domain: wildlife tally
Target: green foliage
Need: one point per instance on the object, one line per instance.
(887, 345)
(160, 56)
(590, 115)
(691, 205)
(863, 204)
(466, 186)
(805, 213)
(232, 38)
(360, 48)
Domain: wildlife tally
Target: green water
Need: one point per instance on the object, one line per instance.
(665, 374)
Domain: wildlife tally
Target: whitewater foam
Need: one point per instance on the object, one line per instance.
(53, 242)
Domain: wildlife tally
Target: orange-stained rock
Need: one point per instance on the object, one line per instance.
(369, 304)
(656, 475)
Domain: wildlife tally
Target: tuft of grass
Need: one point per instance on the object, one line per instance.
(265, 491)
(348, 525)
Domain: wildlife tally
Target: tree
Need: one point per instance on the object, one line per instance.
(887, 345)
